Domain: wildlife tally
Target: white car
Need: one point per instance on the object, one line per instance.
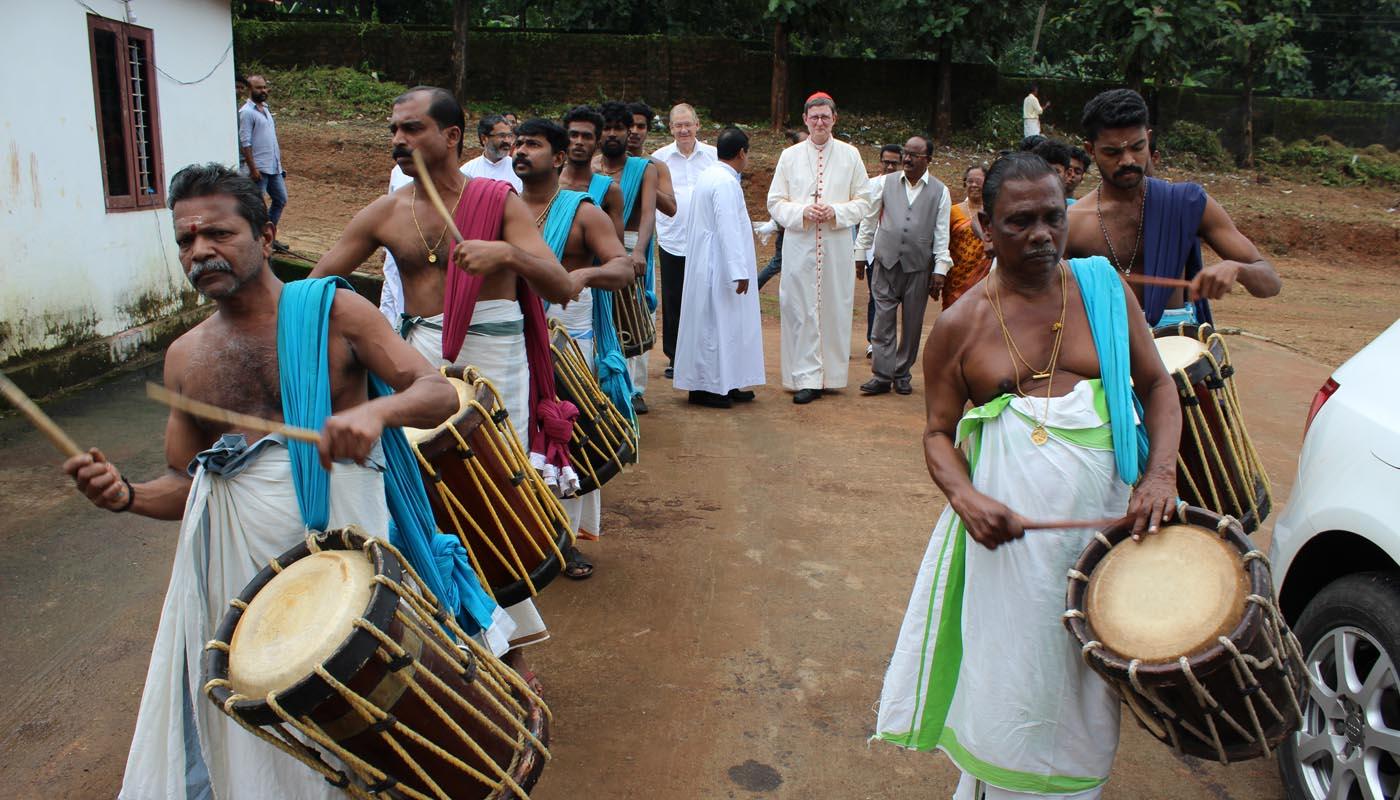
(1336, 562)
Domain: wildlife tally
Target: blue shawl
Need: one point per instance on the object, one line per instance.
(303, 334)
(608, 362)
(1107, 309)
(632, 174)
(1171, 242)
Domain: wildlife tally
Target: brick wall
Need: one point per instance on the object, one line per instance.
(731, 79)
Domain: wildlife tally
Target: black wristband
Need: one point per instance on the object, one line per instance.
(130, 497)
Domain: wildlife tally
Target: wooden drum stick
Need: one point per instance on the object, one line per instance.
(1096, 524)
(38, 418)
(433, 196)
(1153, 280)
(203, 410)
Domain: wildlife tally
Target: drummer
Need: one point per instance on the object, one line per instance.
(241, 510)
(1148, 226)
(430, 121)
(581, 236)
(1014, 705)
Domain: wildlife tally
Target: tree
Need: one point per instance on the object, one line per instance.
(789, 17)
(1257, 44)
(1156, 40)
(461, 27)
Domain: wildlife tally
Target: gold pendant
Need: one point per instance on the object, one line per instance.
(1039, 436)
(1039, 376)
(432, 256)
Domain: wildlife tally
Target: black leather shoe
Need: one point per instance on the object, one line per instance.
(639, 406)
(740, 395)
(875, 386)
(903, 387)
(805, 396)
(710, 399)
(669, 373)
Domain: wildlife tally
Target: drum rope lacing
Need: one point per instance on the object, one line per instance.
(487, 489)
(568, 367)
(1238, 447)
(1277, 637)
(494, 681)
(618, 434)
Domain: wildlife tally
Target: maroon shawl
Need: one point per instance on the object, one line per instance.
(481, 215)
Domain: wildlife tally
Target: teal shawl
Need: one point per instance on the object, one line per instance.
(1107, 310)
(303, 336)
(608, 362)
(632, 174)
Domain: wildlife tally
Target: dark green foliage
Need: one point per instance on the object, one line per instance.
(1197, 143)
(1326, 160)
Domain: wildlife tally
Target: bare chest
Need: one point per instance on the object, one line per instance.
(237, 372)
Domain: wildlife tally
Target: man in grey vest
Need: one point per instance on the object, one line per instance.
(908, 222)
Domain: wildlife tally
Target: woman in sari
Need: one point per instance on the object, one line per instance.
(966, 245)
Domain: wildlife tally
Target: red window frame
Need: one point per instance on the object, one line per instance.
(129, 196)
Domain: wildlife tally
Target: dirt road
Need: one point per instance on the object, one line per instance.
(751, 580)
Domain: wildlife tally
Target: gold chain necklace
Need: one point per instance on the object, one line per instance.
(413, 209)
(544, 215)
(1142, 219)
(1039, 436)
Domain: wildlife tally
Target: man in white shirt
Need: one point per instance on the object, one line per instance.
(909, 266)
(496, 136)
(1031, 109)
(686, 158)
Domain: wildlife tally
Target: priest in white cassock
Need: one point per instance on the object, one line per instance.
(818, 194)
(719, 348)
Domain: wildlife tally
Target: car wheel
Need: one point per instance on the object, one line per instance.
(1349, 744)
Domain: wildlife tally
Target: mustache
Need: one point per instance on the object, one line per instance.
(1128, 171)
(210, 267)
(1039, 253)
(402, 152)
(520, 159)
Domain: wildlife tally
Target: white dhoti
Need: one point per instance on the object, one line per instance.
(983, 668)
(585, 510)
(239, 516)
(637, 365)
(1030, 127)
(495, 345)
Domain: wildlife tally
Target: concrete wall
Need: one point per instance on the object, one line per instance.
(76, 275)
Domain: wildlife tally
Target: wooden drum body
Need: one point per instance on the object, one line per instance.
(603, 441)
(482, 488)
(334, 649)
(636, 329)
(1184, 626)
(1217, 466)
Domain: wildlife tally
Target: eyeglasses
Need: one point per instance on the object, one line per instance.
(914, 156)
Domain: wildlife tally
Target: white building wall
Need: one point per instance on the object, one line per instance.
(71, 271)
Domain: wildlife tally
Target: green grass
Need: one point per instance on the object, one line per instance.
(1326, 160)
(333, 92)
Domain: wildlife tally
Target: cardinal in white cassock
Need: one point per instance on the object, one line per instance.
(818, 194)
(719, 349)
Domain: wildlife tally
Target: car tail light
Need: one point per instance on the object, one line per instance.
(1328, 389)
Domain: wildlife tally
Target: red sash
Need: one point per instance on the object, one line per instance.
(481, 215)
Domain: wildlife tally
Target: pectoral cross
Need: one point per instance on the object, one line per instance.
(817, 195)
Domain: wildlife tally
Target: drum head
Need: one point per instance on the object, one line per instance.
(1170, 595)
(464, 397)
(298, 620)
(1179, 352)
